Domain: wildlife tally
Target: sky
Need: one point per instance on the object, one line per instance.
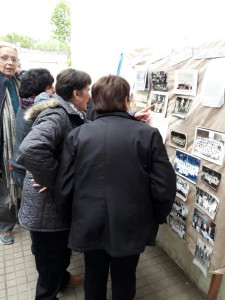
(27, 17)
(119, 26)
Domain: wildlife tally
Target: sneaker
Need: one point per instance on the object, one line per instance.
(6, 238)
(74, 281)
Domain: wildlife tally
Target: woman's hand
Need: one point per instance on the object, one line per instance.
(38, 185)
(143, 114)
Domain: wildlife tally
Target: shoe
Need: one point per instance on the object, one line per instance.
(74, 281)
(6, 238)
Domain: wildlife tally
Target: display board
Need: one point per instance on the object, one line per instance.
(186, 90)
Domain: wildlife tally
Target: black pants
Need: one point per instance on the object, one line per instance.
(52, 257)
(123, 275)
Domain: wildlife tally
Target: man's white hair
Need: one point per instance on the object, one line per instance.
(7, 44)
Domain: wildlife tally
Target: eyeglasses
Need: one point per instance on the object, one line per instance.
(8, 58)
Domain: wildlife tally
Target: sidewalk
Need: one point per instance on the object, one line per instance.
(158, 277)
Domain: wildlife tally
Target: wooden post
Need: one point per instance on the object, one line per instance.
(214, 286)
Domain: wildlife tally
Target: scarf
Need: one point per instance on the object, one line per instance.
(81, 114)
(8, 141)
(27, 102)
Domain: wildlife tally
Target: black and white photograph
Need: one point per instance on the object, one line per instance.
(206, 202)
(187, 166)
(159, 81)
(160, 102)
(181, 107)
(141, 80)
(209, 145)
(202, 256)
(178, 140)
(182, 189)
(179, 210)
(210, 177)
(177, 226)
(203, 225)
(185, 82)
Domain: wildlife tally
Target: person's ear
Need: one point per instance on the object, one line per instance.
(127, 103)
(76, 94)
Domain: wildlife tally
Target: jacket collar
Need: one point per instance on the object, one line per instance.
(122, 114)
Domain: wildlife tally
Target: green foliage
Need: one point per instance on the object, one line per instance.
(51, 45)
(30, 43)
(22, 40)
(60, 21)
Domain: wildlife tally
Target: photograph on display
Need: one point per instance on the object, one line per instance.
(178, 140)
(210, 177)
(182, 189)
(207, 202)
(141, 97)
(185, 82)
(181, 107)
(202, 256)
(209, 145)
(177, 226)
(141, 80)
(159, 100)
(159, 81)
(186, 165)
(179, 210)
(204, 226)
(160, 123)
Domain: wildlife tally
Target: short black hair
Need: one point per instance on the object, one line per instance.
(69, 80)
(34, 82)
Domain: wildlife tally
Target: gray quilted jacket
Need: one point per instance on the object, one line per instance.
(39, 153)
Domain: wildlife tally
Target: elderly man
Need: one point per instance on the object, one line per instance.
(9, 103)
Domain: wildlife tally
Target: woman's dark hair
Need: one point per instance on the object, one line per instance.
(34, 82)
(109, 94)
(69, 80)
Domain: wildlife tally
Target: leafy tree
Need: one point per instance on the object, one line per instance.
(60, 21)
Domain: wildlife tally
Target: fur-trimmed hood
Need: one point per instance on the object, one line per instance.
(37, 108)
(45, 101)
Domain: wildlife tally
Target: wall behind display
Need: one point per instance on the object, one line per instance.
(208, 117)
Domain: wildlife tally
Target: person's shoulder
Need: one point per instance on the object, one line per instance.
(42, 108)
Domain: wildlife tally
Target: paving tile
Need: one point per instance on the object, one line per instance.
(3, 294)
(20, 273)
(32, 293)
(10, 283)
(12, 297)
(23, 295)
(2, 272)
(2, 286)
(22, 288)
(32, 277)
(21, 280)
(12, 291)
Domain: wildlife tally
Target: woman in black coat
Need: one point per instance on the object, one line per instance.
(117, 174)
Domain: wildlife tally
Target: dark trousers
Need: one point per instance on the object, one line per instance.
(123, 275)
(52, 257)
(8, 216)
